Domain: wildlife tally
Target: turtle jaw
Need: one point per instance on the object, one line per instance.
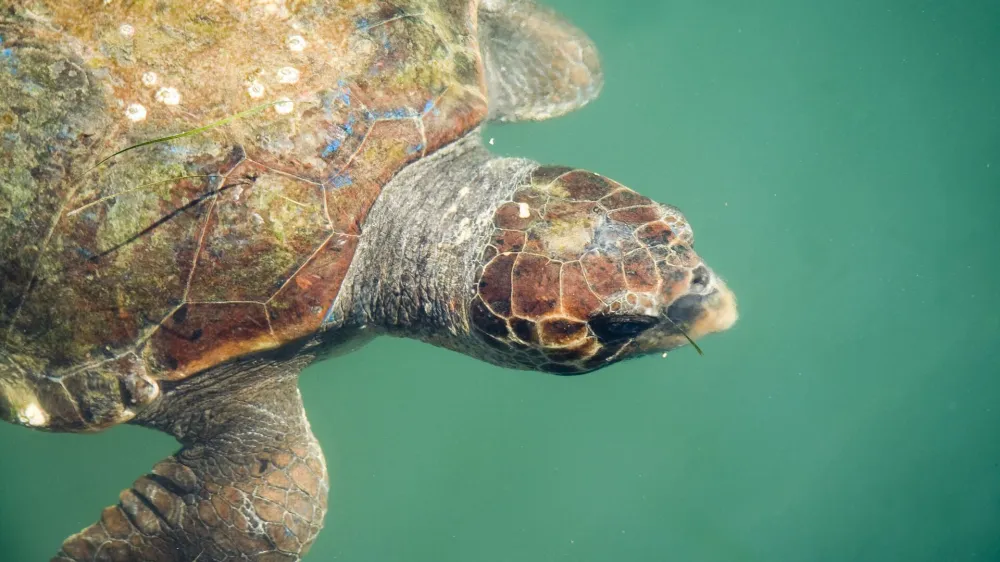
(707, 308)
(720, 312)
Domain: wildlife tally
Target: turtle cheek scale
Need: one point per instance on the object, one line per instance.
(581, 271)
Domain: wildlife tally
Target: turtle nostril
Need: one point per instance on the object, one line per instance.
(700, 279)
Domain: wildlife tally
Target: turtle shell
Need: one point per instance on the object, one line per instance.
(185, 182)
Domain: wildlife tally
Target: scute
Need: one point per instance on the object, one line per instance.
(192, 251)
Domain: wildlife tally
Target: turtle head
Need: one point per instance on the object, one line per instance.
(581, 272)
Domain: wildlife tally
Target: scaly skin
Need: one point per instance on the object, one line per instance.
(250, 482)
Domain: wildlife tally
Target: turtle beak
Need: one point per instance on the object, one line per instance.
(710, 306)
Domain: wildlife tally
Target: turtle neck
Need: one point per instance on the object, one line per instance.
(416, 266)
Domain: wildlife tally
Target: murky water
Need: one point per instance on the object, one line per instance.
(840, 163)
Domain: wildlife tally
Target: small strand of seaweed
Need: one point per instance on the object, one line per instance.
(134, 189)
(213, 125)
(686, 336)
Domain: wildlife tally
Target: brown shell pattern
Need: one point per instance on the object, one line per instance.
(189, 252)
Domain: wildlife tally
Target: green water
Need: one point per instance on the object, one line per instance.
(840, 163)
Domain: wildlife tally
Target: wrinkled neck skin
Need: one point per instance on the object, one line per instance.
(416, 267)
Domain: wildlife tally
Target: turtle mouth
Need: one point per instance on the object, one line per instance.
(709, 306)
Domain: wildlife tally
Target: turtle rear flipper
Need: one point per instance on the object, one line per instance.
(538, 65)
(250, 482)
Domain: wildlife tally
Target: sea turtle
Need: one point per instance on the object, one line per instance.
(198, 199)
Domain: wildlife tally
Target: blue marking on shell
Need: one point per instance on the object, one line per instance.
(398, 113)
(415, 149)
(330, 98)
(331, 148)
(341, 180)
(7, 54)
(85, 253)
(330, 317)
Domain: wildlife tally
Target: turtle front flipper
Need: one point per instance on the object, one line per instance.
(250, 482)
(538, 65)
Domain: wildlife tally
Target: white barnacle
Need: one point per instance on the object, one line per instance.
(150, 78)
(255, 89)
(296, 43)
(126, 30)
(284, 106)
(33, 415)
(256, 219)
(135, 112)
(168, 96)
(288, 75)
(523, 210)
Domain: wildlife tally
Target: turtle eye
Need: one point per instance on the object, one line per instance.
(613, 328)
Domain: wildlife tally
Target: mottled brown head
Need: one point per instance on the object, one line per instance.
(581, 272)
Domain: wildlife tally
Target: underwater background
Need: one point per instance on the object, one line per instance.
(840, 164)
